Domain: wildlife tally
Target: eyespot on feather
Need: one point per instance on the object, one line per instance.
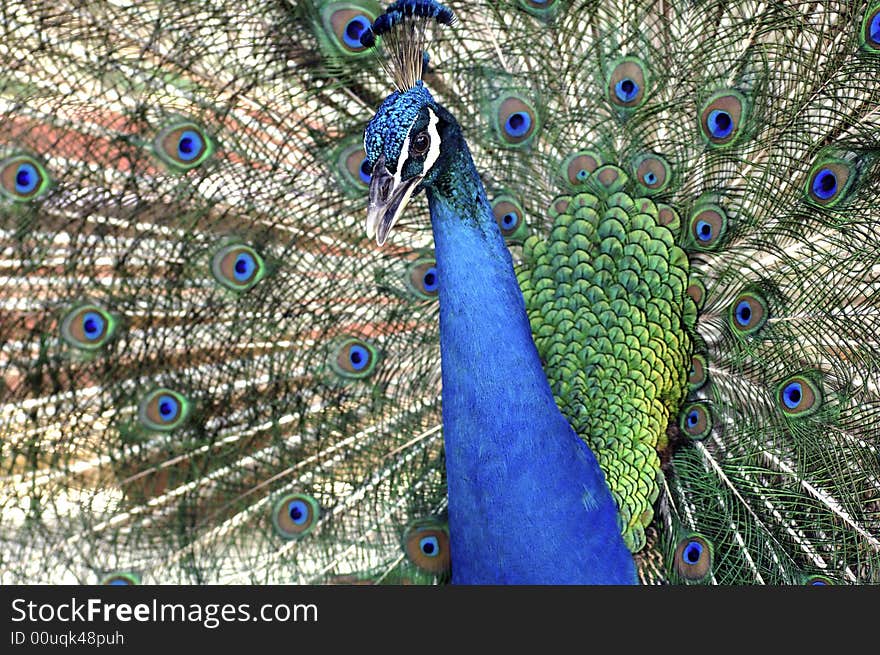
(698, 374)
(88, 327)
(23, 178)
(653, 173)
(818, 581)
(722, 118)
(163, 410)
(423, 279)
(510, 217)
(697, 291)
(708, 226)
(516, 121)
(121, 579)
(295, 515)
(237, 267)
(748, 313)
(352, 167)
(627, 83)
(353, 358)
(799, 396)
(667, 216)
(183, 146)
(539, 7)
(695, 420)
(870, 32)
(345, 23)
(828, 182)
(693, 558)
(578, 167)
(426, 544)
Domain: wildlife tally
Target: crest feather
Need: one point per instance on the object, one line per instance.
(404, 31)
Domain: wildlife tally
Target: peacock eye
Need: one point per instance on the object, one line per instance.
(421, 143)
(426, 544)
(295, 515)
(122, 578)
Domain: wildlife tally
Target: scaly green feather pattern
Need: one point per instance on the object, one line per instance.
(607, 303)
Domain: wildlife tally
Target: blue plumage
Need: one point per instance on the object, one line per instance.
(527, 500)
(528, 503)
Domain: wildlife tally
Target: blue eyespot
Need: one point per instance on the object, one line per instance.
(743, 313)
(704, 231)
(237, 267)
(628, 82)
(693, 557)
(189, 145)
(430, 280)
(875, 28)
(510, 217)
(365, 172)
(294, 515)
(423, 279)
(653, 173)
(825, 184)
(87, 328)
(298, 511)
(720, 124)
(514, 118)
(358, 357)
(708, 226)
(695, 421)
(353, 30)
(26, 178)
(426, 544)
(748, 312)
(518, 124)
(430, 546)
(183, 146)
(818, 581)
(121, 579)
(169, 408)
(163, 410)
(626, 90)
(244, 267)
(355, 359)
(692, 552)
(792, 394)
(93, 325)
(22, 178)
(800, 395)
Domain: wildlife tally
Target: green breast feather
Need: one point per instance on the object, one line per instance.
(606, 296)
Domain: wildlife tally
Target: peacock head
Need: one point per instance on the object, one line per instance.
(403, 145)
(403, 140)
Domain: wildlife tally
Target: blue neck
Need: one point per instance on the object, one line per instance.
(528, 503)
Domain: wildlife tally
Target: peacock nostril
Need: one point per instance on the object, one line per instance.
(385, 188)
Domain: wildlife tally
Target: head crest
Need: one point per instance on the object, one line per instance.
(403, 29)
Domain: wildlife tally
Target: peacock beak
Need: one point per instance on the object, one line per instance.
(388, 198)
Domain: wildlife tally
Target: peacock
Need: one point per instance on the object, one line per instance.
(496, 291)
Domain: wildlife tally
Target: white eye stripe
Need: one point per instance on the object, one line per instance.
(433, 149)
(404, 157)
